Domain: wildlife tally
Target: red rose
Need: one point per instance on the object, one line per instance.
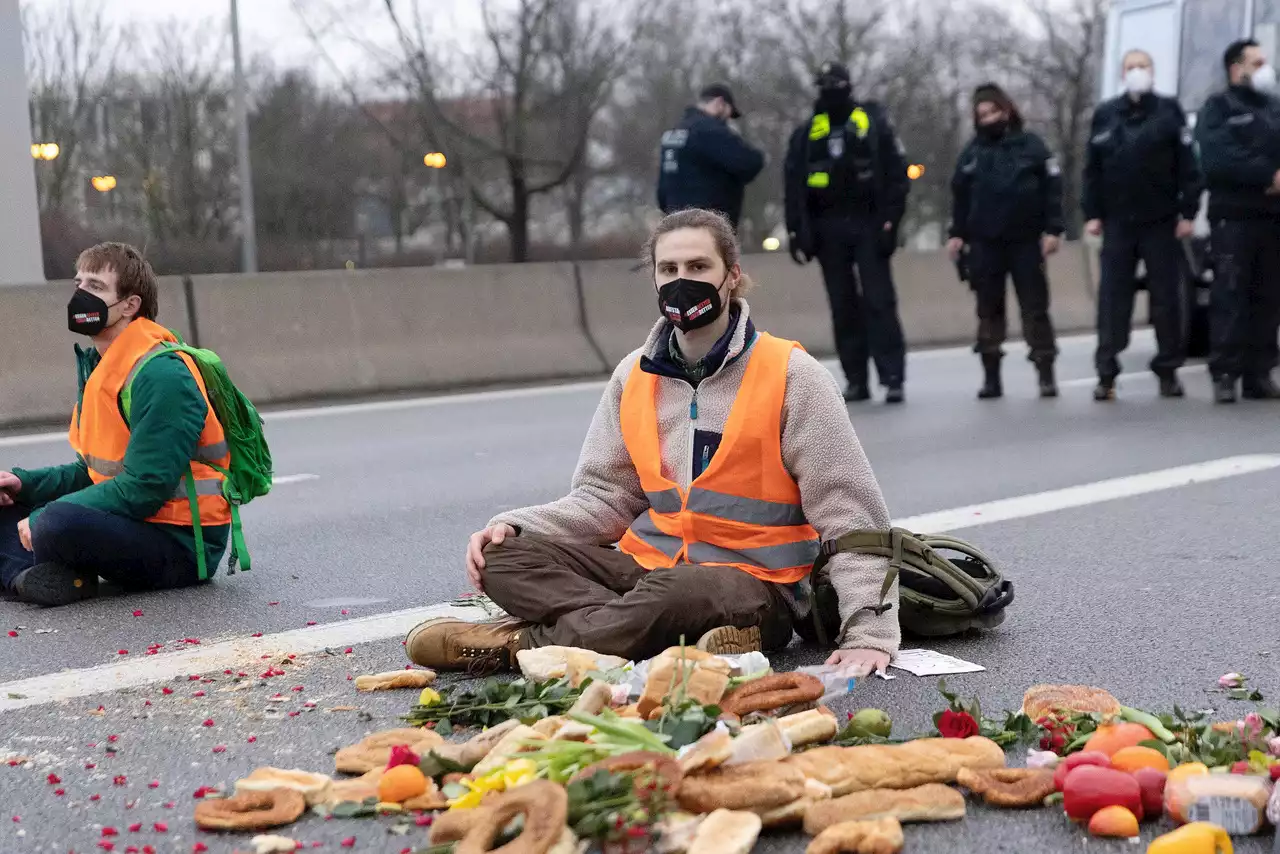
(402, 755)
(957, 724)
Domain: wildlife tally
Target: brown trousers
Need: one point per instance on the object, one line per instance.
(598, 598)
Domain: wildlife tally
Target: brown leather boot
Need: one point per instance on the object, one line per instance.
(729, 640)
(445, 643)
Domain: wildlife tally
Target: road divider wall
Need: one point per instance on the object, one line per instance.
(337, 333)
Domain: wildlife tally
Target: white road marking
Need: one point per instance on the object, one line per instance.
(293, 478)
(1038, 503)
(244, 652)
(1065, 342)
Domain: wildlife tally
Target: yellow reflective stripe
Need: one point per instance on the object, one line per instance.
(820, 126)
(819, 180)
(751, 511)
(644, 530)
(861, 121)
(137, 366)
(784, 556)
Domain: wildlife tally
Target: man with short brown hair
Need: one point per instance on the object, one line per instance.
(144, 440)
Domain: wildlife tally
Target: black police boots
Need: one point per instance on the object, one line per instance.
(857, 392)
(1048, 384)
(1260, 388)
(1170, 386)
(991, 387)
(1224, 390)
(1105, 390)
(895, 394)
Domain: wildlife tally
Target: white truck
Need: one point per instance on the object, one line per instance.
(1186, 40)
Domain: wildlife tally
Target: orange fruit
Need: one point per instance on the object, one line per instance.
(1110, 738)
(1130, 759)
(401, 783)
(1114, 821)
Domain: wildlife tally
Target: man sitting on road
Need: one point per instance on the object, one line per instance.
(719, 458)
(123, 509)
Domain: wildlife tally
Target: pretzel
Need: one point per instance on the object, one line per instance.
(769, 693)
(1008, 787)
(251, 810)
(545, 807)
(664, 768)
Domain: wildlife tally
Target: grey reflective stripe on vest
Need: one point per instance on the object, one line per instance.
(666, 501)
(137, 366)
(106, 468)
(204, 486)
(751, 511)
(785, 556)
(112, 468)
(644, 530)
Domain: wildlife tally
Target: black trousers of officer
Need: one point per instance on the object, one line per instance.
(991, 262)
(1157, 245)
(1244, 308)
(865, 319)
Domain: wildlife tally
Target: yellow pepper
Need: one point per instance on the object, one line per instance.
(509, 776)
(1199, 837)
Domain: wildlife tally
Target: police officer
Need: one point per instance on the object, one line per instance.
(704, 162)
(1239, 136)
(1007, 210)
(846, 190)
(1141, 193)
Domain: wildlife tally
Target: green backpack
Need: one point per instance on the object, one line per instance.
(250, 474)
(937, 596)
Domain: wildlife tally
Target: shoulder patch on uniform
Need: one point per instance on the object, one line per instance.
(1242, 119)
(675, 138)
(1052, 167)
(902, 149)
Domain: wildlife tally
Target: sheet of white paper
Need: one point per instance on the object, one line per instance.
(927, 662)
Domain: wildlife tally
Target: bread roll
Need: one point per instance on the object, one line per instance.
(812, 727)
(726, 832)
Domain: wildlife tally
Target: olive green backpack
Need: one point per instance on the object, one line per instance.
(938, 595)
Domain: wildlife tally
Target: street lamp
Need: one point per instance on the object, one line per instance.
(435, 160)
(915, 171)
(45, 150)
(772, 244)
(103, 183)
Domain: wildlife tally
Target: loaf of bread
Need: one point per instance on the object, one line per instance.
(811, 727)
(705, 678)
(755, 786)
(930, 802)
(760, 742)
(548, 663)
(897, 766)
(726, 832)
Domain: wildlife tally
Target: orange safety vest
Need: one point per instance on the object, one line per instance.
(100, 435)
(745, 510)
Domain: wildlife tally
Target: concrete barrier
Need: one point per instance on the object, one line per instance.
(334, 333)
(37, 357)
(790, 301)
(289, 336)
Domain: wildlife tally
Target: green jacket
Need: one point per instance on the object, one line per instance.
(168, 413)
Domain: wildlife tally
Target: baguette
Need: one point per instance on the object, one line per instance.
(759, 743)
(897, 766)
(883, 836)
(755, 786)
(930, 802)
(812, 727)
(710, 751)
(395, 679)
(726, 832)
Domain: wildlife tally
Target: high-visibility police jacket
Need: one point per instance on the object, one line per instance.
(745, 509)
(100, 434)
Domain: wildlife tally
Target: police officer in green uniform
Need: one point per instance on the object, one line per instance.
(846, 191)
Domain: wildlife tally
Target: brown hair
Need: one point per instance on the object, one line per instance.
(133, 273)
(994, 94)
(721, 231)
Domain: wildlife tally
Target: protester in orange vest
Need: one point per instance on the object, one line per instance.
(123, 509)
(718, 459)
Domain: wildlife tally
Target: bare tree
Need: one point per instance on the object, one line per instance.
(71, 53)
(1059, 67)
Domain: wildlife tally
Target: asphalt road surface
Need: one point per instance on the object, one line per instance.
(1140, 536)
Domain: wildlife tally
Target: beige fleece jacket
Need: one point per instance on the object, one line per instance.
(838, 490)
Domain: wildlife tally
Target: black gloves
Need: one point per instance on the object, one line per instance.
(887, 241)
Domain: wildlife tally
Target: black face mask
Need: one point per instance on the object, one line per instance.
(832, 99)
(994, 130)
(690, 304)
(87, 313)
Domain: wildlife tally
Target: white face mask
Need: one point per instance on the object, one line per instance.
(1138, 81)
(1264, 79)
